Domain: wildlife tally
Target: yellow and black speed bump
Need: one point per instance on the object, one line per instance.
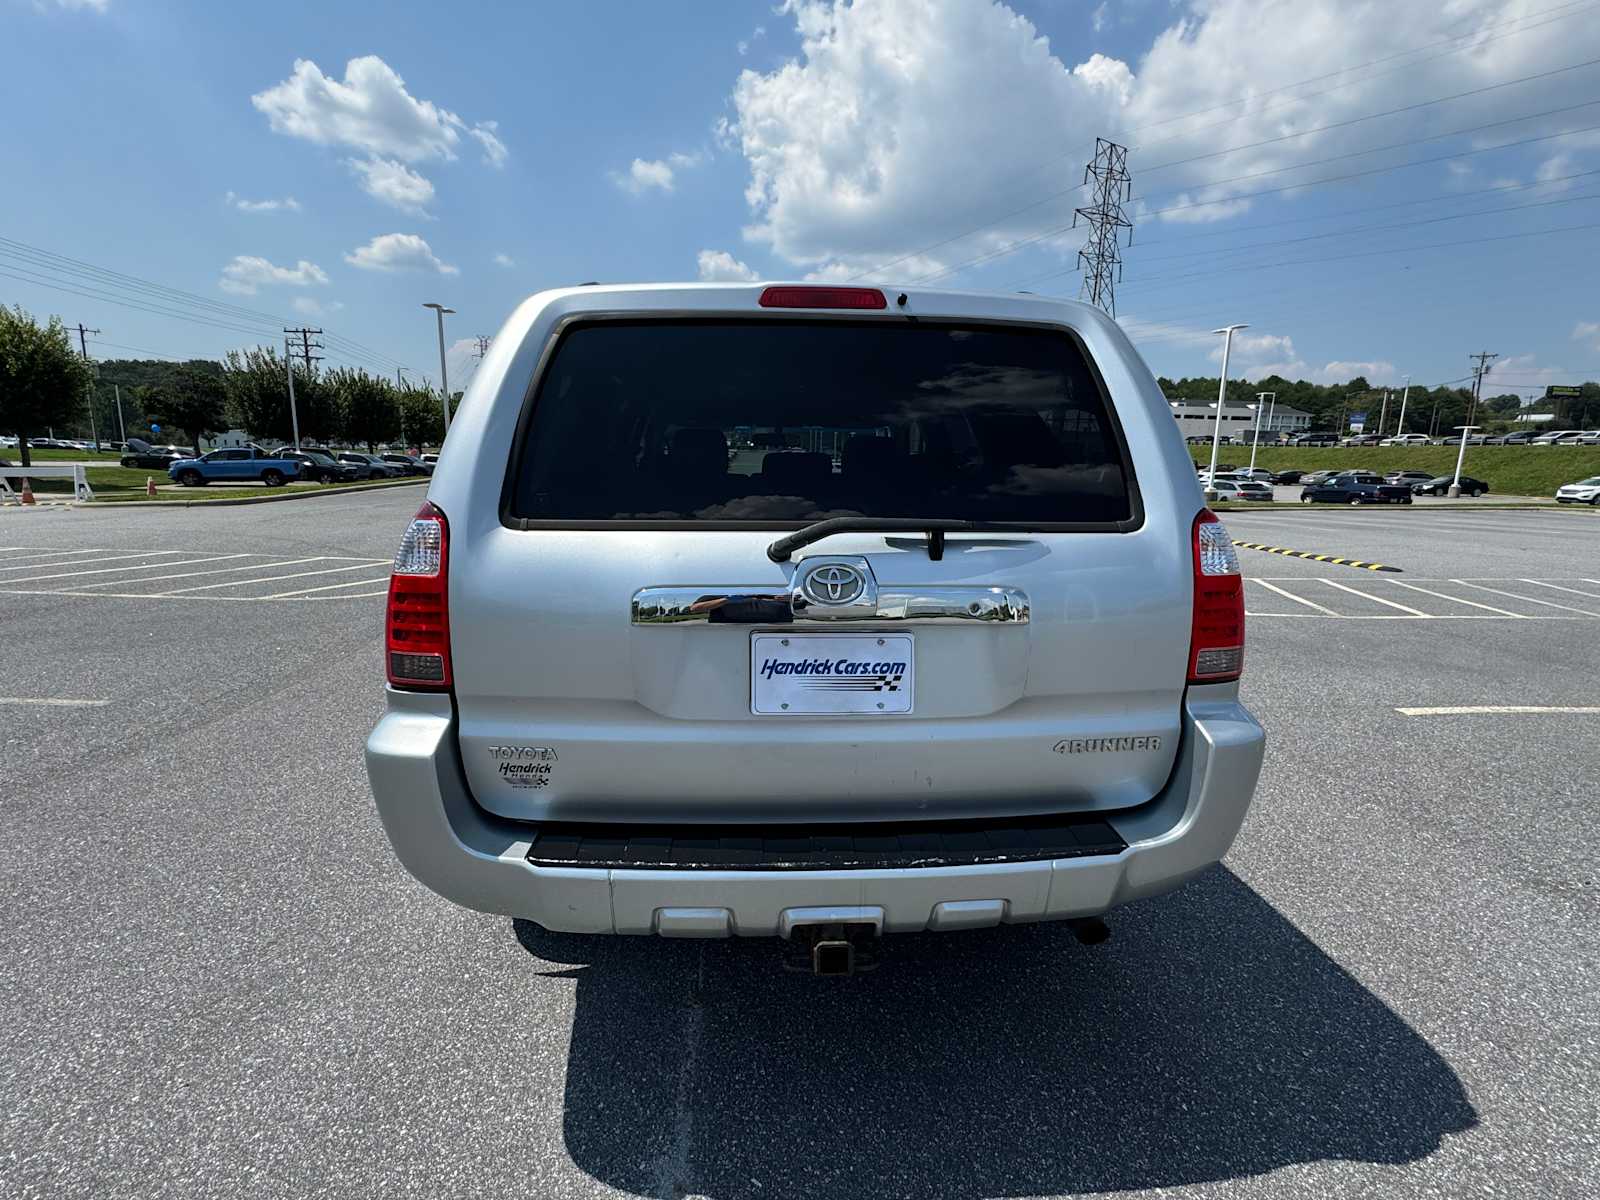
(1324, 558)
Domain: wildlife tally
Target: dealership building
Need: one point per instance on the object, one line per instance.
(1197, 419)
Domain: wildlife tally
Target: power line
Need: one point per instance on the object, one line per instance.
(1388, 112)
(1012, 247)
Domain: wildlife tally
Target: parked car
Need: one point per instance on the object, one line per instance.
(1258, 474)
(318, 467)
(1439, 485)
(369, 466)
(408, 464)
(1354, 487)
(1585, 491)
(1286, 476)
(142, 455)
(234, 464)
(1314, 439)
(1405, 439)
(1560, 437)
(1519, 438)
(430, 459)
(597, 710)
(1360, 439)
(1312, 478)
(1408, 477)
(1241, 489)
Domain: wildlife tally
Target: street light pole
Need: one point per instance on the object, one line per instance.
(1404, 396)
(1256, 441)
(1261, 399)
(439, 311)
(1227, 332)
(1455, 486)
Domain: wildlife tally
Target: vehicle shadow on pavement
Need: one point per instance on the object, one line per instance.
(1209, 1039)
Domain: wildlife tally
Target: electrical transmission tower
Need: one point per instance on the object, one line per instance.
(1101, 256)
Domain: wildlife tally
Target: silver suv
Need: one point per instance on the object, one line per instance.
(820, 612)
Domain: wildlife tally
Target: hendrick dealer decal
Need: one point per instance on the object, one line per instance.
(822, 674)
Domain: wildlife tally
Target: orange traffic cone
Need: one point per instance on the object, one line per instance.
(149, 485)
(27, 491)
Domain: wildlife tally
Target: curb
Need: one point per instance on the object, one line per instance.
(224, 502)
(1322, 558)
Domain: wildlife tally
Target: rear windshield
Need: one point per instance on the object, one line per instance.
(787, 422)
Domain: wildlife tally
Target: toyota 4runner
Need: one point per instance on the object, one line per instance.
(820, 612)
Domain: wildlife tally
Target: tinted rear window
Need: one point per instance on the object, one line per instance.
(788, 422)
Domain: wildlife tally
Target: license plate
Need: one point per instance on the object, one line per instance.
(811, 674)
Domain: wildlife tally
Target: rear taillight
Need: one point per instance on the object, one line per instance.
(1216, 637)
(822, 297)
(417, 626)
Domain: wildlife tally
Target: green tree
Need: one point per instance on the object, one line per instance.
(421, 418)
(191, 400)
(257, 392)
(369, 406)
(43, 381)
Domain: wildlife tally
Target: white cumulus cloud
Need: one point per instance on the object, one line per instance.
(643, 175)
(234, 200)
(309, 306)
(398, 252)
(502, 259)
(393, 183)
(718, 266)
(371, 111)
(247, 272)
(901, 125)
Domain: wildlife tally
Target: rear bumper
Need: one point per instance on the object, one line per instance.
(480, 861)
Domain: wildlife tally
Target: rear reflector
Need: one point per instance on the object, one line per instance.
(417, 623)
(822, 297)
(1216, 636)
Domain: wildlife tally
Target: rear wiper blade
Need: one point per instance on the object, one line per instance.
(780, 550)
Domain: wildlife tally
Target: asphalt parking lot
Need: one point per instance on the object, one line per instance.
(218, 981)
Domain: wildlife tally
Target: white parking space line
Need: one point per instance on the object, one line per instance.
(1379, 599)
(1458, 600)
(293, 562)
(125, 570)
(51, 702)
(43, 554)
(206, 587)
(1496, 710)
(91, 561)
(1529, 599)
(1557, 587)
(1272, 587)
(327, 587)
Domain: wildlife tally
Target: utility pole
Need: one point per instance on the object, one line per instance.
(1383, 413)
(1483, 359)
(306, 347)
(122, 427)
(483, 340)
(83, 347)
(1101, 256)
(1400, 427)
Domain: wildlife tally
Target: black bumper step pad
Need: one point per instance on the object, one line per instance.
(833, 847)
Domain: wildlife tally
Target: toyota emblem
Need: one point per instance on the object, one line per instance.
(834, 583)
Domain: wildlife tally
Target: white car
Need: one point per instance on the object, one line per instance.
(637, 688)
(1256, 474)
(1585, 491)
(1559, 437)
(1406, 439)
(1242, 489)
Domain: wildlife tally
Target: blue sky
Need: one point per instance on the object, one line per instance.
(475, 155)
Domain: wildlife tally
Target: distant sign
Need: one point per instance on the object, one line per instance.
(1358, 422)
(1556, 391)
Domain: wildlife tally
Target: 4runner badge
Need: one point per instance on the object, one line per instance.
(1112, 745)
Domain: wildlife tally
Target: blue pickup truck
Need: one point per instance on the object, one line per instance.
(236, 464)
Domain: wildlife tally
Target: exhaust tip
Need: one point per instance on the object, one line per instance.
(1090, 931)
